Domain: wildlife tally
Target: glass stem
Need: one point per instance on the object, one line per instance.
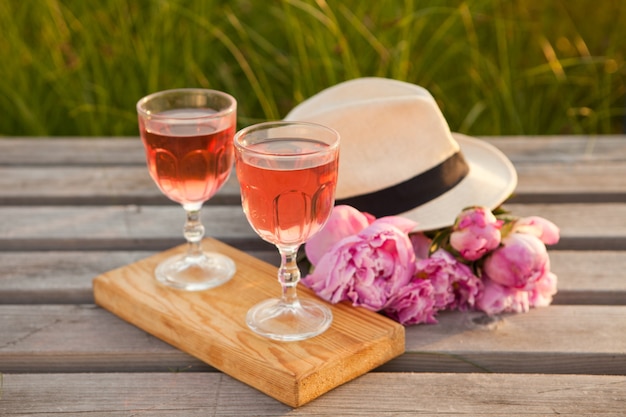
(289, 275)
(194, 232)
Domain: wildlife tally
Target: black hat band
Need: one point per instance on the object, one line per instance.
(414, 192)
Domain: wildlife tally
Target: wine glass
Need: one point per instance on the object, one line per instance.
(188, 138)
(287, 172)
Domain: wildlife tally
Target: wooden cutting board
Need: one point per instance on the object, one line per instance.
(210, 325)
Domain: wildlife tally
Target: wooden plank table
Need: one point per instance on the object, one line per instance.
(74, 208)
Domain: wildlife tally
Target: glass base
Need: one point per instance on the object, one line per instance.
(195, 273)
(279, 321)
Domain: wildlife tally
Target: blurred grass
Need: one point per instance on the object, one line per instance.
(496, 67)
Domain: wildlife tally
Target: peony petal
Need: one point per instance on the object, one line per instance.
(344, 221)
(401, 223)
(544, 229)
(421, 245)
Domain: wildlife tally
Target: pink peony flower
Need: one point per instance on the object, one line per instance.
(476, 231)
(545, 288)
(414, 304)
(496, 299)
(343, 221)
(368, 268)
(401, 223)
(421, 245)
(519, 263)
(454, 283)
(380, 265)
(544, 229)
(334, 271)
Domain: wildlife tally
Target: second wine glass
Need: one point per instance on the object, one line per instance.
(288, 173)
(188, 134)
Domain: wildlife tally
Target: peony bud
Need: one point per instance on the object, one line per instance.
(519, 263)
(475, 233)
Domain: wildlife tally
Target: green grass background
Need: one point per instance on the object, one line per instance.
(496, 67)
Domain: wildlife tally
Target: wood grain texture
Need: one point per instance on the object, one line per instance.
(82, 338)
(599, 226)
(113, 171)
(90, 185)
(74, 208)
(555, 339)
(210, 325)
(375, 394)
(71, 151)
(129, 150)
(132, 184)
(65, 277)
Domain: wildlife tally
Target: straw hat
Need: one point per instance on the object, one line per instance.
(398, 156)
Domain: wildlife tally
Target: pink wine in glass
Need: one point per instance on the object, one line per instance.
(289, 198)
(287, 173)
(189, 163)
(188, 138)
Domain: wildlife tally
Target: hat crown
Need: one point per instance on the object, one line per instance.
(398, 157)
(395, 126)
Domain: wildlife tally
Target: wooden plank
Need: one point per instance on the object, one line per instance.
(95, 185)
(563, 338)
(58, 277)
(555, 339)
(601, 182)
(583, 226)
(579, 220)
(116, 224)
(129, 150)
(28, 185)
(81, 338)
(113, 170)
(563, 148)
(564, 182)
(595, 277)
(374, 394)
(92, 151)
(210, 325)
(560, 339)
(557, 169)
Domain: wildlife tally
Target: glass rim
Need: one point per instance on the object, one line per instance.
(221, 113)
(334, 144)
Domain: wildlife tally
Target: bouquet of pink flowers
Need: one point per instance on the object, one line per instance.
(488, 262)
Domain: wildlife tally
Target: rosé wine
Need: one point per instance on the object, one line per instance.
(189, 163)
(287, 197)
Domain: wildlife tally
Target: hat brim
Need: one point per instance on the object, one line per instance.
(491, 180)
